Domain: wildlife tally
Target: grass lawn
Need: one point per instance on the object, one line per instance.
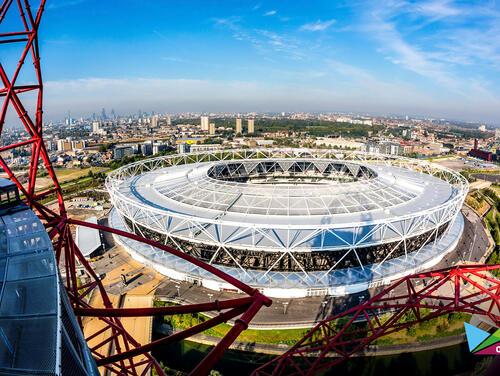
(496, 189)
(274, 336)
(67, 174)
(438, 327)
(443, 326)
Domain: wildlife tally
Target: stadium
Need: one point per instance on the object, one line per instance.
(290, 222)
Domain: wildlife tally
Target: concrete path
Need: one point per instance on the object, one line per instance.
(138, 293)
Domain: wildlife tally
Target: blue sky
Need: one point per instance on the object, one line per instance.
(438, 58)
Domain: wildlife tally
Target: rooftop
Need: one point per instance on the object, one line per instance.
(190, 190)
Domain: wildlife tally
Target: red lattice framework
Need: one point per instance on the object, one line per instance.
(113, 348)
(409, 301)
(414, 299)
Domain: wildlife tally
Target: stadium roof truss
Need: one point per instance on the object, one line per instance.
(376, 204)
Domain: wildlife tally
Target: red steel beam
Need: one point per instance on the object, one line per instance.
(176, 337)
(126, 348)
(230, 279)
(165, 311)
(465, 288)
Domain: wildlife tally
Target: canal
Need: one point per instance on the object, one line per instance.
(445, 361)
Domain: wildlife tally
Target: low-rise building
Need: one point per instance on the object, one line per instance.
(339, 143)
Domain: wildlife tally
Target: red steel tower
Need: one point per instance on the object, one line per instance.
(128, 356)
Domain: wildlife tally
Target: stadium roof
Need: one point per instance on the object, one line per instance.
(88, 239)
(198, 202)
(190, 191)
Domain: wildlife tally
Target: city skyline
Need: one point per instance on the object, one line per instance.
(435, 58)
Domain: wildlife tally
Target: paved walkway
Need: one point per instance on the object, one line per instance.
(138, 293)
(92, 325)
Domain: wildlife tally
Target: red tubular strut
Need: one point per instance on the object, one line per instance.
(163, 311)
(409, 301)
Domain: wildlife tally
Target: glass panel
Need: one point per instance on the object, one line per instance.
(31, 266)
(3, 242)
(29, 242)
(28, 344)
(37, 296)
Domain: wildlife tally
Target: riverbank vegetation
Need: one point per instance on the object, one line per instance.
(439, 327)
(486, 203)
(492, 221)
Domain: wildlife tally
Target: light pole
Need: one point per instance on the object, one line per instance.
(178, 287)
(323, 304)
(285, 305)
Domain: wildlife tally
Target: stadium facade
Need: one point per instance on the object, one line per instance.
(291, 222)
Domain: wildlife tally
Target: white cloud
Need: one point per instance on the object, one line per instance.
(437, 9)
(318, 25)
(256, 6)
(265, 42)
(462, 34)
(349, 89)
(410, 57)
(270, 13)
(381, 24)
(85, 96)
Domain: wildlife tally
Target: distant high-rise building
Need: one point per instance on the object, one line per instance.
(204, 121)
(103, 114)
(69, 120)
(169, 120)
(497, 133)
(146, 148)
(251, 126)
(159, 147)
(113, 114)
(154, 121)
(122, 151)
(239, 126)
(64, 145)
(212, 128)
(78, 145)
(96, 127)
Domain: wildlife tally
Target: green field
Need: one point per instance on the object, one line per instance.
(275, 336)
(443, 326)
(68, 174)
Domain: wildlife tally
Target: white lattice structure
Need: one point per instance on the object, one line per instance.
(293, 222)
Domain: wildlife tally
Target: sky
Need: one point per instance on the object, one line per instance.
(436, 58)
